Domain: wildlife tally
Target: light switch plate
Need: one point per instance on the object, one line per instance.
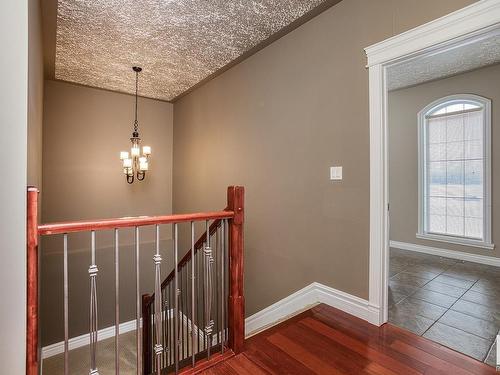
(335, 173)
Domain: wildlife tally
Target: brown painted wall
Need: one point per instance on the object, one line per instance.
(404, 106)
(35, 93)
(275, 123)
(84, 131)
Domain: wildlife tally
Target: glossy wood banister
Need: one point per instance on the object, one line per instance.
(236, 302)
(32, 358)
(81, 226)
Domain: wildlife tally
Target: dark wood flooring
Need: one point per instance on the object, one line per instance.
(325, 340)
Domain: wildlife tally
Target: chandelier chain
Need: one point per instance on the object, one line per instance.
(136, 123)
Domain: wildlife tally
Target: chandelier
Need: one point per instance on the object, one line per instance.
(136, 164)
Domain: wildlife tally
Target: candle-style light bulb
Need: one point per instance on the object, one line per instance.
(127, 163)
(135, 150)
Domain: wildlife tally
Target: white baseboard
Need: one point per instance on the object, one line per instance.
(79, 341)
(304, 299)
(483, 259)
(294, 304)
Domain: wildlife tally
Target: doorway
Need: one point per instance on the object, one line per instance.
(435, 272)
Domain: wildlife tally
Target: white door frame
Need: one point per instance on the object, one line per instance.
(464, 24)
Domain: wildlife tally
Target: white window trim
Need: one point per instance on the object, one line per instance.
(422, 234)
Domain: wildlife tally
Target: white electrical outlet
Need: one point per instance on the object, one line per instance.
(335, 173)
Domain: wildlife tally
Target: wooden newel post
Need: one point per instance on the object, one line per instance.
(147, 362)
(236, 302)
(32, 360)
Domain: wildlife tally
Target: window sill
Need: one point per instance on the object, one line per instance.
(456, 240)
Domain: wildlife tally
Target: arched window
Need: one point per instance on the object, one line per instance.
(455, 171)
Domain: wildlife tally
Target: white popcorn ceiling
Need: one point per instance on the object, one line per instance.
(455, 60)
(178, 43)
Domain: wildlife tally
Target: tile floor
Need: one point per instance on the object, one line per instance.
(452, 302)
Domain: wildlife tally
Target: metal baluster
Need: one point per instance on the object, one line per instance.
(184, 311)
(117, 305)
(189, 317)
(182, 314)
(199, 321)
(158, 348)
(223, 282)
(171, 311)
(208, 284)
(164, 326)
(93, 309)
(65, 291)
(167, 312)
(176, 299)
(216, 260)
(202, 285)
(138, 304)
(192, 296)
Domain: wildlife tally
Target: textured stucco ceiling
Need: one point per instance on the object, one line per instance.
(453, 60)
(178, 43)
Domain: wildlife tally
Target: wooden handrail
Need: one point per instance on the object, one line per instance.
(81, 226)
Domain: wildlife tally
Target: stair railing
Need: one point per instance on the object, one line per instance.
(205, 300)
(222, 247)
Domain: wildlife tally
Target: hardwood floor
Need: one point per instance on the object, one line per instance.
(325, 340)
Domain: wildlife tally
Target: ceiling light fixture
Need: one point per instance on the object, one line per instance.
(136, 165)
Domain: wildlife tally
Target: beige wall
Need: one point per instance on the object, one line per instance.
(84, 131)
(275, 123)
(404, 106)
(13, 151)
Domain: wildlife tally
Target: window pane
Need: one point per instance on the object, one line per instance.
(437, 178)
(474, 179)
(473, 149)
(474, 128)
(455, 207)
(470, 106)
(474, 228)
(454, 128)
(437, 223)
(455, 225)
(474, 208)
(436, 130)
(455, 150)
(455, 179)
(455, 107)
(437, 152)
(437, 206)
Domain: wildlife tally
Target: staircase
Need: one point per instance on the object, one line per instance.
(194, 318)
